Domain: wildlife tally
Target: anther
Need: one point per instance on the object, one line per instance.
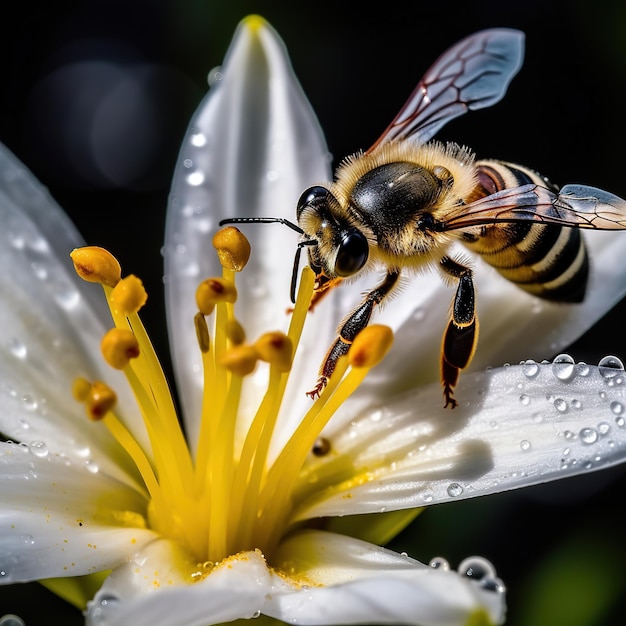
(235, 332)
(240, 360)
(276, 349)
(96, 265)
(129, 295)
(370, 346)
(119, 346)
(214, 290)
(100, 401)
(202, 332)
(81, 389)
(233, 249)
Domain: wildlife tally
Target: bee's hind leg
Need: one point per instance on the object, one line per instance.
(349, 329)
(461, 336)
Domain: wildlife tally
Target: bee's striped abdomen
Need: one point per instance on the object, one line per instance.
(548, 261)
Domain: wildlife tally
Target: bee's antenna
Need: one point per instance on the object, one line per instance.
(296, 266)
(262, 220)
(278, 220)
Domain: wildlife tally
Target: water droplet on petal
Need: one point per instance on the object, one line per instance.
(38, 448)
(617, 407)
(563, 367)
(524, 399)
(588, 435)
(476, 568)
(439, 563)
(17, 348)
(454, 490)
(560, 405)
(603, 428)
(11, 620)
(524, 444)
(530, 368)
(610, 366)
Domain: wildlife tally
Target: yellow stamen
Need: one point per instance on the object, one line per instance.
(96, 265)
(370, 346)
(233, 249)
(214, 290)
(275, 348)
(202, 332)
(98, 397)
(241, 360)
(119, 346)
(129, 295)
(235, 332)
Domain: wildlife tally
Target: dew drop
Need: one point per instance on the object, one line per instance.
(577, 404)
(603, 428)
(620, 421)
(29, 402)
(588, 435)
(195, 179)
(38, 448)
(198, 139)
(17, 348)
(439, 563)
(582, 369)
(610, 366)
(560, 405)
(617, 407)
(11, 620)
(92, 467)
(524, 444)
(563, 367)
(67, 299)
(187, 163)
(215, 76)
(454, 490)
(524, 399)
(476, 568)
(530, 368)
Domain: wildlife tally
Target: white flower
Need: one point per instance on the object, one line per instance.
(239, 517)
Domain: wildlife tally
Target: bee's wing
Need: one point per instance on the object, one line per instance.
(573, 205)
(472, 74)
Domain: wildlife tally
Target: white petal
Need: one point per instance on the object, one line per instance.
(515, 426)
(356, 582)
(252, 147)
(60, 519)
(154, 588)
(513, 324)
(51, 324)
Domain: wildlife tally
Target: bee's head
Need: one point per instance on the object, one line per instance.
(341, 249)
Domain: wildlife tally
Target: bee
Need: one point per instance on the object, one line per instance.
(402, 203)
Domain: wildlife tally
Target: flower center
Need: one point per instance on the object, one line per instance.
(228, 496)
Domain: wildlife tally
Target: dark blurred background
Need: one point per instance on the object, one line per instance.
(95, 97)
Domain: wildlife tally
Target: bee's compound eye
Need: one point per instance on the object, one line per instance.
(312, 195)
(352, 254)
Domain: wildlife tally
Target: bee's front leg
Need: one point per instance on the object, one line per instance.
(349, 329)
(461, 336)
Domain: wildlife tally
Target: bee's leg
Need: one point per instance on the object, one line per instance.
(350, 327)
(459, 340)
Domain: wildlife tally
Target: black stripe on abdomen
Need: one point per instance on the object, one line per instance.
(548, 261)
